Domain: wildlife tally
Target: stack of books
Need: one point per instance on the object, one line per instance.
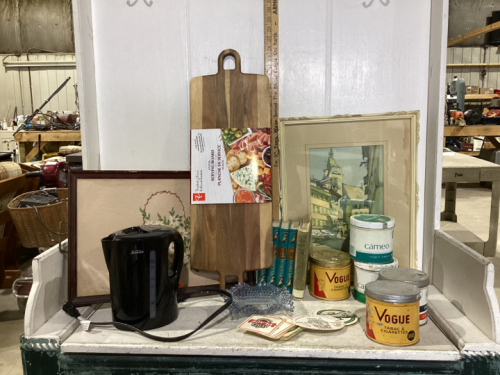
(291, 246)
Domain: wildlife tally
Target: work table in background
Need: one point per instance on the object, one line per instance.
(459, 168)
(26, 138)
(487, 131)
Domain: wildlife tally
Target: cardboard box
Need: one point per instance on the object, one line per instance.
(467, 146)
(478, 143)
(487, 90)
(472, 90)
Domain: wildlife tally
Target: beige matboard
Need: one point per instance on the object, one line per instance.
(396, 133)
(104, 206)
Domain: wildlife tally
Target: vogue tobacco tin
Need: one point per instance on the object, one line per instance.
(412, 276)
(330, 274)
(392, 312)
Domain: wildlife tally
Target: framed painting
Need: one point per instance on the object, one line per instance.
(336, 167)
(102, 202)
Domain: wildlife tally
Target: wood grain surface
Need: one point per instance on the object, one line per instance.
(49, 136)
(230, 238)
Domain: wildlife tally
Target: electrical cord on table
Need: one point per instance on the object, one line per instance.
(71, 310)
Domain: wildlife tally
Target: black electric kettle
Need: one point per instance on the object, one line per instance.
(143, 286)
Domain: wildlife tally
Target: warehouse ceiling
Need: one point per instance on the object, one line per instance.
(469, 15)
(41, 24)
(48, 24)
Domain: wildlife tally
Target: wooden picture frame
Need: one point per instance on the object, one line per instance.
(102, 202)
(394, 133)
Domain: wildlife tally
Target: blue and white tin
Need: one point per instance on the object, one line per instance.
(371, 238)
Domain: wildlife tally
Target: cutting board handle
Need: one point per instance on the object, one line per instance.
(229, 52)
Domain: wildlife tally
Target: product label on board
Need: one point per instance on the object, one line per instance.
(230, 166)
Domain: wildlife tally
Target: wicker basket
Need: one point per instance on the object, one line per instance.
(31, 232)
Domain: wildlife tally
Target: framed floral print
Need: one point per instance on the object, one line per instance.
(102, 202)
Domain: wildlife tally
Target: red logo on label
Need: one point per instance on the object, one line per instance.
(199, 197)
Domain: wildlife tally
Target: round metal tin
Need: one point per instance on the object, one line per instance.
(373, 221)
(329, 258)
(376, 267)
(365, 273)
(392, 291)
(407, 275)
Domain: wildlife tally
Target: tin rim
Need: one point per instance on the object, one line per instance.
(330, 258)
(392, 291)
(372, 221)
(406, 275)
(376, 267)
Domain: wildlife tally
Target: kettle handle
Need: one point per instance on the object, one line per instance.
(178, 260)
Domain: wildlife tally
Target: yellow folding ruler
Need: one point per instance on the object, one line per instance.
(271, 68)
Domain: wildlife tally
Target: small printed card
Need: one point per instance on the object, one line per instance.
(231, 166)
(284, 328)
(265, 325)
(274, 327)
(291, 333)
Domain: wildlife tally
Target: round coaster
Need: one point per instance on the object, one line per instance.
(320, 323)
(347, 317)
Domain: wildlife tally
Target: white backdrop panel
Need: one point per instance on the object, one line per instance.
(145, 59)
(216, 25)
(304, 58)
(336, 57)
(140, 64)
(340, 57)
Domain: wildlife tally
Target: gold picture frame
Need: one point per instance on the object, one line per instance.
(397, 133)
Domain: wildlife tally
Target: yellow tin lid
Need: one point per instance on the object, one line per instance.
(330, 258)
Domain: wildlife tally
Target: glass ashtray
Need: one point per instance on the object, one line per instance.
(262, 299)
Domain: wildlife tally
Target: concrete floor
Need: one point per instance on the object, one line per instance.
(11, 326)
(473, 210)
(12, 320)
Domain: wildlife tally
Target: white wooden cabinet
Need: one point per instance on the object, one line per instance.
(336, 57)
(7, 142)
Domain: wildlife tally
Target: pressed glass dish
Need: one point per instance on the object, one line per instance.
(262, 299)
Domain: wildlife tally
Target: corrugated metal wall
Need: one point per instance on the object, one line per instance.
(469, 15)
(16, 90)
(472, 75)
(26, 24)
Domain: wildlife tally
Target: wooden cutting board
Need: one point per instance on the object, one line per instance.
(230, 238)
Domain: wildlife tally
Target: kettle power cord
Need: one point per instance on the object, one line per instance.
(71, 310)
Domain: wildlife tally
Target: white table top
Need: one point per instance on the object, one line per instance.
(220, 338)
(464, 168)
